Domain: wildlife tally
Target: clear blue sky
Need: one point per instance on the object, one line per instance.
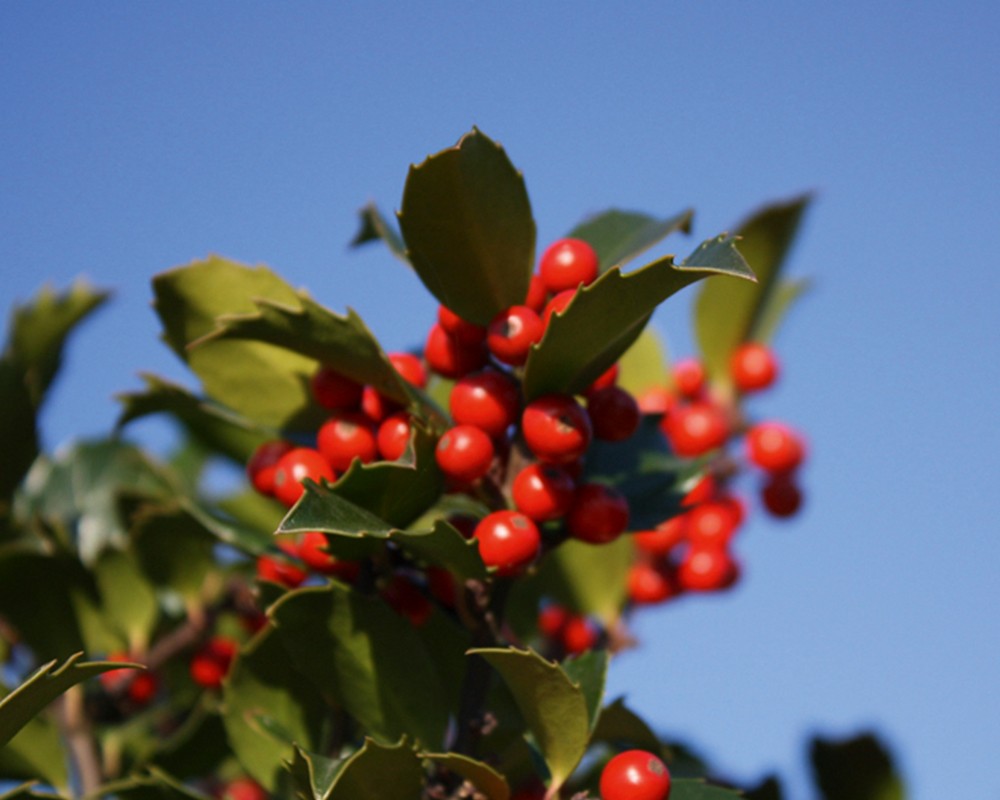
(138, 136)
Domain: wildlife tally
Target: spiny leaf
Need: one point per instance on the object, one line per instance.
(696, 789)
(375, 227)
(375, 772)
(487, 780)
(622, 727)
(619, 236)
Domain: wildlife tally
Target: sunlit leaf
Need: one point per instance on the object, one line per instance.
(619, 236)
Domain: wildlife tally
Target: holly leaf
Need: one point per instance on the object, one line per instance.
(697, 789)
(589, 671)
(174, 550)
(36, 752)
(467, 224)
(153, 785)
(27, 791)
(727, 312)
(552, 705)
(619, 236)
(859, 768)
(785, 294)
(375, 772)
(355, 648)
(44, 685)
(644, 365)
(620, 726)
(128, 599)
(487, 780)
(589, 578)
(376, 228)
(606, 317)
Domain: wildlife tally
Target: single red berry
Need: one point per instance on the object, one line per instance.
(243, 789)
(442, 586)
(264, 462)
(567, 264)
(393, 436)
(489, 400)
(614, 414)
(556, 428)
(531, 789)
(707, 569)
(278, 570)
(599, 514)
(449, 357)
(695, 429)
(312, 550)
(294, 467)
(552, 618)
(557, 304)
(333, 390)
(635, 775)
(774, 447)
(212, 662)
(509, 541)
(579, 635)
(346, 436)
(656, 400)
(542, 491)
(512, 332)
(689, 377)
(711, 524)
(376, 406)
(407, 599)
(464, 453)
(753, 366)
(143, 688)
(662, 539)
(410, 367)
(537, 294)
(781, 496)
(463, 331)
(606, 379)
(649, 584)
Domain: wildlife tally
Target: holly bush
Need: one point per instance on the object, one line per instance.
(418, 588)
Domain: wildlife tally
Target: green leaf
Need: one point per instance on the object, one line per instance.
(620, 236)
(375, 772)
(128, 598)
(28, 791)
(467, 224)
(589, 671)
(644, 365)
(196, 748)
(266, 384)
(263, 683)
(697, 789)
(156, 785)
(487, 780)
(859, 768)
(606, 317)
(375, 227)
(173, 548)
(219, 429)
(553, 707)
(623, 728)
(357, 649)
(45, 685)
(727, 312)
(36, 752)
(589, 578)
(785, 294)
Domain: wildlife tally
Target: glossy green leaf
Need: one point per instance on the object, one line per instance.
(217, 428)
(553, 707)
(264, 683)
(726, 312)
(696, 789)
(785, 294)
(644, 365)
(174, 550)
(487, 780)
(36, 752)
(129, 600)
(619, 236)
(589, 578)
(606, 317)
(589, 671)
(264, 383)
(375, 227)
(859, 768)
(357, 649)
(375, 772)
(45, 685)
(466, 220)
(623, 728)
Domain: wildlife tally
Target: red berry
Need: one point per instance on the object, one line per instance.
(568, 263)
(703, 490)
(711, 524)
(407, 600)
(212, 662)
(263, 463)
(707, 569)
(449, 357)
(635, 775)
(689, 377)
(537, 294)
(656, 400)
(614, 414)
(552, 619)
(312, 550)
(333, 390)
(463, 331)
(489, 400)
(606, 379)
(442, 586)
(753, 367)
(512, 332)
(243, 789)
(664, 537)
(774, 447)
(556, 428)
(294, 467)
(508, 540)
(143, 688)
(464, 453)
(557, 305)
(393, 436)
(278, 570)
(599, 514)
(579, 635)
(410, 367)
(781, 496)
(375, 405)
(649, 584)
(696, 429)
(347, 435)
(114, 679)
(542, 491)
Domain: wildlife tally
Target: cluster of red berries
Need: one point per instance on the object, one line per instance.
(139, 687)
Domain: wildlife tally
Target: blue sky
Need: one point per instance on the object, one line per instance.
(136, 137)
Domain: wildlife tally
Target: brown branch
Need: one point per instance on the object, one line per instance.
(76, 729)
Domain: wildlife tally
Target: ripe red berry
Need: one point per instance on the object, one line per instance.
(607, 378)
(579, 635)
(294, 467)
(552, 618)
(212, 662)
(707, 569)
(143, 688)
(695, 429)
(649, 584)
(542, 491)
(393, 436)
(264, 462)
(599, 514)
(333, 390)
(635, 775)
(656, 400)
(512, 332)
(711, 524)
(568, 263)
(508, 540)
(410, 367)
(464, 453)
(407, 600)
(139, 686)
(375, 405)
(703, 490)
(489, 400)
(537, 294)
(449, 357)
(774, 447)
(312, 550)
(557, 304)
(465, 332)
(345, 436)
(278, 570)
(614, 413)
(442, 585)
(243, 789)
(689, 377)
(753, 367)
(664, 537)
(556, 428)
(781, 496)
